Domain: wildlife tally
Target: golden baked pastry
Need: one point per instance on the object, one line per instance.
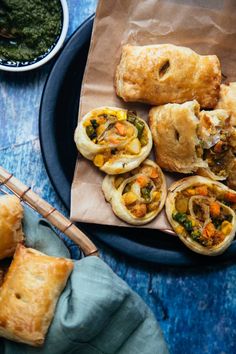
(138, 196)
(1, 276)
(202, 213)
(187, 140)
(29, 295)
(227, 100)
(165, 73)
(116, 140)
(11, 214)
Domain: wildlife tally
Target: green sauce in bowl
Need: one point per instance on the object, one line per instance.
(31, 29)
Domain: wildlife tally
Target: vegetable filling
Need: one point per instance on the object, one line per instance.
(119, 132)
(141, 194)
(204, 213)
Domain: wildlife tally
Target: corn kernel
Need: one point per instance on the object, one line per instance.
(226, 227)
(121, 115)
(87, 123)
(98, 160)
(156, 195)
(179, 230)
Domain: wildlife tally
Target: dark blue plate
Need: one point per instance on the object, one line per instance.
(58, 119)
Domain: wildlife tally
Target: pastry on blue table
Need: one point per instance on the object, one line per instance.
(116, 140)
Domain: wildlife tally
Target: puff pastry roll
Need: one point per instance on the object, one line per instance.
(187, 140)
(137, 197)
(202, 213)
(116, 140)
(165, 73)
(11, 214)
(1, 276)
(227, 100)
(29, 295)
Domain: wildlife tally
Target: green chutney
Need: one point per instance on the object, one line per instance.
(34, 27)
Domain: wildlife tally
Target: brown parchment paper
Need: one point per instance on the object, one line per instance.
(206, 26)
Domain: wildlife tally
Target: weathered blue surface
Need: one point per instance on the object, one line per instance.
(196, 308)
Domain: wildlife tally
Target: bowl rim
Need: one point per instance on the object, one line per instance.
(50, 55)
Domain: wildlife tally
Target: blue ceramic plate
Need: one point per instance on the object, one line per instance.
(58, 119)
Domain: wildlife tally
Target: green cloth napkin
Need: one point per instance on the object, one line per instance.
(97, 313)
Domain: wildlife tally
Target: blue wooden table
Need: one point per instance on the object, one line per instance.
(196, 308)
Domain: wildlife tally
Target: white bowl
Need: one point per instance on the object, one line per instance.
(50, 55)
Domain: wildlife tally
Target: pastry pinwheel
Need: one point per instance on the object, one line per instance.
(202, 213)
(116, 140)
(138, 196)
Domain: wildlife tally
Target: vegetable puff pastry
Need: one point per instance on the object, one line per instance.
(227, 100)
(1, 276)
(188, 140)
(29, 295)
(202, 213)
(165, 73)
(11, 214)
(115, 139)
(137, 197)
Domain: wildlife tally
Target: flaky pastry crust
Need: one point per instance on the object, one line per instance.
(174, 131)
(11, 214)
(29, 295)
(227, 100)
(165, 73)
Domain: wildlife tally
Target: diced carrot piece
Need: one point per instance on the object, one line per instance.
(120, 128)
(191, 191)
(150, 171)
(154, 173)
(142, 181)
(218, 147)
(139, 210)
(113, 140)
(215, 209)
(231, 197)
(202, 190)
(209, 230)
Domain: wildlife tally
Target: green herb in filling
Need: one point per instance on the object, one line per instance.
(183, 220)
(146, 191)
(91, 132)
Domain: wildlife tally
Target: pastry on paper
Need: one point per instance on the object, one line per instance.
(11, 214)
(227, 100)
(137, 197)
(188, 140)
(202, 213)
(165, 73)
(116, 140)
(29, 294)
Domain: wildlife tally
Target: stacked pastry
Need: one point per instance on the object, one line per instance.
(31, 286)
(193, 129)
